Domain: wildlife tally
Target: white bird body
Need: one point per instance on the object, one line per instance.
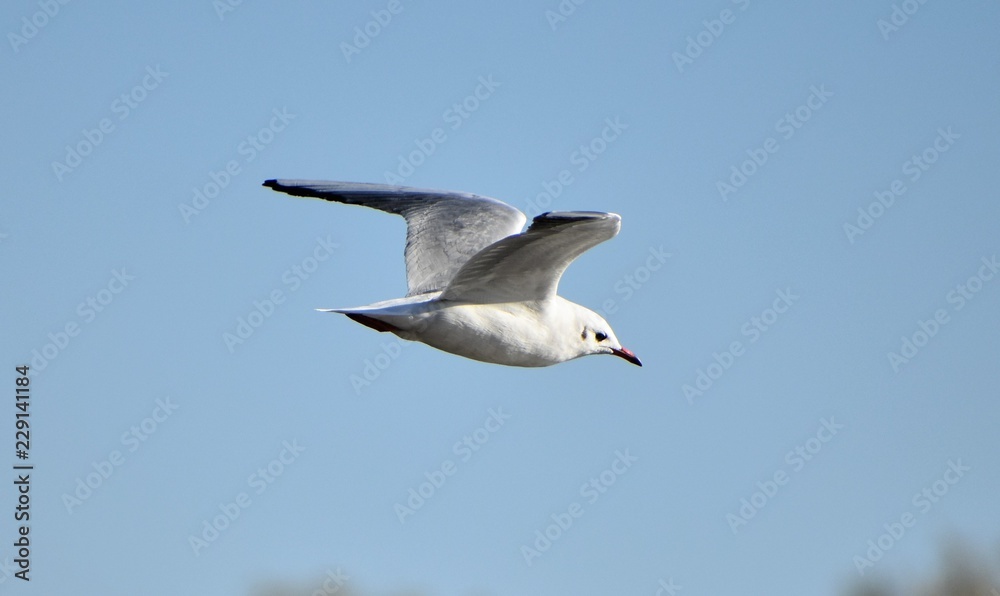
(478, 287)
(509, 333)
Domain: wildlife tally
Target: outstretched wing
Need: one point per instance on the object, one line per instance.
(443, 229)
(528, 266)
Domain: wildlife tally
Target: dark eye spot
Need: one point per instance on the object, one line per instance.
(600, 336)
(584, 334)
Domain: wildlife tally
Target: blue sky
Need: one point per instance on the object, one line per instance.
(805, 191)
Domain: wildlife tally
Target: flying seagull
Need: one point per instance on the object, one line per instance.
(478, 286)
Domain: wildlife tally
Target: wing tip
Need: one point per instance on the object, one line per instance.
(296, 188)
(577, 215)
(559, 218)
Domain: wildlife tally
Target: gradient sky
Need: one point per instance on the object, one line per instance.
(737, 139)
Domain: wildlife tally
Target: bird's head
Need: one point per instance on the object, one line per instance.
(595, 336)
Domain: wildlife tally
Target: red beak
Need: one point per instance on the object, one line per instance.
(627, 355)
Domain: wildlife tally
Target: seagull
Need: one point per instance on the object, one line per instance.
(477, 286)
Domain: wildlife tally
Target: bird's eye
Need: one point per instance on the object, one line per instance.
(600, 336)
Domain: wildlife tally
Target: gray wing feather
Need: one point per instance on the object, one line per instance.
(443, 229)
(528, 266)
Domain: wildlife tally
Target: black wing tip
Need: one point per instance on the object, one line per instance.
(293, 188)
(332, 190)
(559, 218)
(575, 215)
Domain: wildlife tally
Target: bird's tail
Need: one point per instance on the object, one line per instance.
(366, 320)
